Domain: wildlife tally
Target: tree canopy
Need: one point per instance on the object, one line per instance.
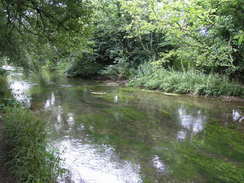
(120, 35)
(35, 27)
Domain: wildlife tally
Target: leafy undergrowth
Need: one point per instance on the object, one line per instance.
(190, 82)
(28, 156)
(217, 155)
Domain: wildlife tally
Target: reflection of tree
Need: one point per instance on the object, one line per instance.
(236, 114)
(192, 123)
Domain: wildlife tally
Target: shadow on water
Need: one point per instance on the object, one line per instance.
(123, 135)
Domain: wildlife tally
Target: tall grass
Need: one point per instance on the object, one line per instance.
(190, 82)
(27, 155)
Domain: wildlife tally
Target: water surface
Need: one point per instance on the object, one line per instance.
(112, 134)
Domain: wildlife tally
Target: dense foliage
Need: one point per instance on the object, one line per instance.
(33, 32)
(114, 37)
(202, 36)
(206, 35)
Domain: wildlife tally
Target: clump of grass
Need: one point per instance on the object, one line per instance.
(27, 155)
(190, 82)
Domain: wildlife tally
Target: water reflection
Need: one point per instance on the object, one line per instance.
(116, 99)
(181, 135)
(236, 114)
(158, 164)
(8, 68)
(192, 123)
(70, 119)
(50, 102)
(96, 164)
(20, 88)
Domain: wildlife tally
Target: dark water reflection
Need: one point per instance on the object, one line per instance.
(116, 135)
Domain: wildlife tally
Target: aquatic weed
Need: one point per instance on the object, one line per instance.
(215, 154)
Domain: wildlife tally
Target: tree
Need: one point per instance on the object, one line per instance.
(206, 35)
(28, 27)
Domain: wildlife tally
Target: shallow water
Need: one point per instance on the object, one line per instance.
(112, 134)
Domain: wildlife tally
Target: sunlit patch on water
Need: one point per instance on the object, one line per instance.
(20, 90)
(236, 114)
(8, 68)
(19, 87)
(65, 86)
(181, 135)
(90, 163)
(158, 164)
(50, 102)
(194, 122)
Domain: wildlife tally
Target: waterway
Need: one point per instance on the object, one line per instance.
(111, 134)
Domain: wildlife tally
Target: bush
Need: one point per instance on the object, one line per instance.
(189, 82)
(28, 158)
(85, 67)
(120, 70)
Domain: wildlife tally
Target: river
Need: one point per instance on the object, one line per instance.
(109, 134)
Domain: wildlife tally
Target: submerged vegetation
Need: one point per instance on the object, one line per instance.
(215, 154)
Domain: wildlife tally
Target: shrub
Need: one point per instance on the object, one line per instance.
(120, 70)
(85, 67)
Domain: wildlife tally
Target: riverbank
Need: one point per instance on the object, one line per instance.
(5, 176)
(125, 83)
(190, 82)
(194, 83)
(4, 173)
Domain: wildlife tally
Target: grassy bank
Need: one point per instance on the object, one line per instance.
(190, 82)
(157, 78)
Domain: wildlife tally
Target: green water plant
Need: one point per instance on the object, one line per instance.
(216, 155)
